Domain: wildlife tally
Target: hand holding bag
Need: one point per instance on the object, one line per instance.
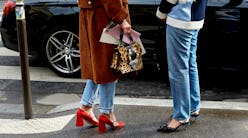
(127, 57)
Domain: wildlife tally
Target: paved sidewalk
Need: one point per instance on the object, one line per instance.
(142, 117)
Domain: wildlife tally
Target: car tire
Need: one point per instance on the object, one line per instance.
(61, 51)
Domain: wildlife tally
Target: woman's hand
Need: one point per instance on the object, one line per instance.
(126, 27)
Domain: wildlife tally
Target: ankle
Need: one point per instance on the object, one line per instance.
(195, 113)
(86, 108)
(110, 116)
(173, 123)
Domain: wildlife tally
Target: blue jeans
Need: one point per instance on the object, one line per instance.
(183, 71)
(106, 95)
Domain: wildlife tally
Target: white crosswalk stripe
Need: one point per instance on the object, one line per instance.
(34, 126)
(36, 73)
(6, 52)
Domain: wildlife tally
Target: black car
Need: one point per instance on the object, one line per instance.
(52, 32)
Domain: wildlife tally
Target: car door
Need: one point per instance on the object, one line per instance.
(144, 20)
(222, 42)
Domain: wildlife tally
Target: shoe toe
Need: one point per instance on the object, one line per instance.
(119, 124)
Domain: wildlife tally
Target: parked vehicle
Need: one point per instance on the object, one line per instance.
(52, 32)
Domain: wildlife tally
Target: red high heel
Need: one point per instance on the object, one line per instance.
(105, 120)
(81, 116)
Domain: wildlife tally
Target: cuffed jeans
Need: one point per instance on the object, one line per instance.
(106, 95)
(183, 72)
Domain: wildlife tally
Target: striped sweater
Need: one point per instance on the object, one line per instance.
(183, 14)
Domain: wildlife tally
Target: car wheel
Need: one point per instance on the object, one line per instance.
(62, 52)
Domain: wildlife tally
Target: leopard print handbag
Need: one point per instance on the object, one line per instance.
(127, 58)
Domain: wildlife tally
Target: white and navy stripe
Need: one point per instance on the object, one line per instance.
(184, 14)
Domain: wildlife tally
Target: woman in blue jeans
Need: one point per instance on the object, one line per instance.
(184, 19)
(95, 60)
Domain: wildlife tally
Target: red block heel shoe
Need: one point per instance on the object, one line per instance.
(103, 120)
(81, 116)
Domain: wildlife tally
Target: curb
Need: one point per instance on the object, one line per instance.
(18, 108)
(158, 103)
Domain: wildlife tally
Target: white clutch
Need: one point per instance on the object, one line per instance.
(107, 38)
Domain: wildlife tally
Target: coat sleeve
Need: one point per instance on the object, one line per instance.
(164, 8)
(117, 10)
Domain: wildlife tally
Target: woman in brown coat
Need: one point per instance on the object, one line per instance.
(96, 59)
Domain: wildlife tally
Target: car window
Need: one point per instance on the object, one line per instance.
(228, 3)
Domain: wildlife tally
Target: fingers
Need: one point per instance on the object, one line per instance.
(126, 27)
(127, 30)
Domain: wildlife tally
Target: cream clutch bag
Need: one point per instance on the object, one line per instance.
(107, 38)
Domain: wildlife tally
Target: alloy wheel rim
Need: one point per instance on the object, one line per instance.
(62, 51)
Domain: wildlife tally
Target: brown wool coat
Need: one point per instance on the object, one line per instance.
(95, 57)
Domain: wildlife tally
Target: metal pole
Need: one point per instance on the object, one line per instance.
(23, 49)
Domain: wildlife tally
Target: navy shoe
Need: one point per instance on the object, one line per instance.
(195, 117)
(166, 129)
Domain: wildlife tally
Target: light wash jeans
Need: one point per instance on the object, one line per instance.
(106, 95)
(183, 71)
